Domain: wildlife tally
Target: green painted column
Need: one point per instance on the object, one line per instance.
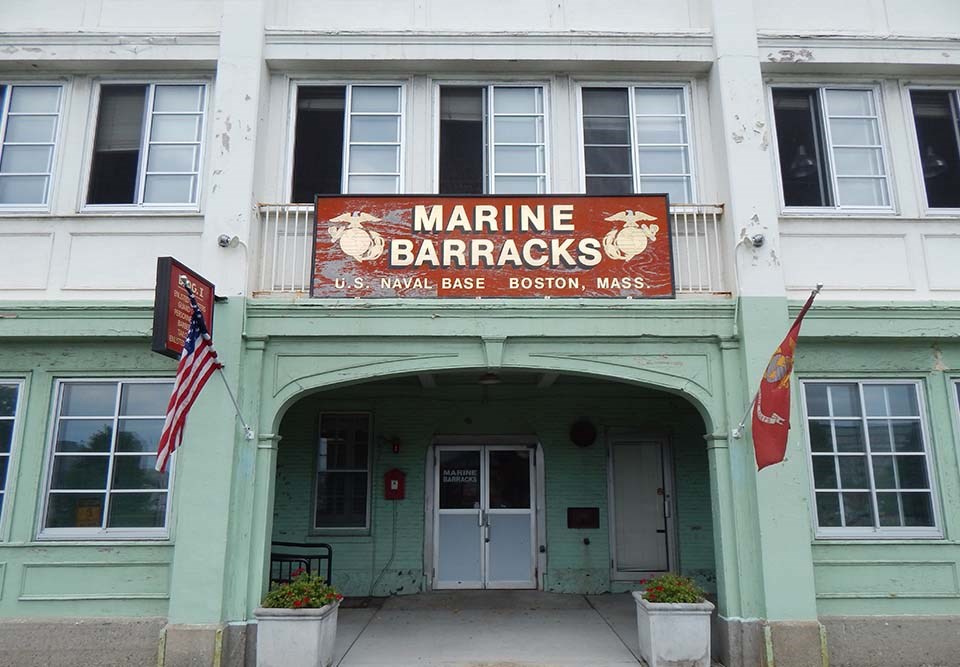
(773, 522)
(203, 479)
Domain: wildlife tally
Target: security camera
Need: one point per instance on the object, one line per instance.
(227, 241)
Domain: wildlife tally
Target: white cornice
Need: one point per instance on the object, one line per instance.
(103, 38)
(552, 38)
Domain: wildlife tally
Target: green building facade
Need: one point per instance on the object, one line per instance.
(594, 440)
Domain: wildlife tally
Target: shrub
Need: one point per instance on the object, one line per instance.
(672, 588)
(304, 591)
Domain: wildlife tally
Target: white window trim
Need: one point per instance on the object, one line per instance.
(488, 84)
(348, 84)
(343, 530)
(919, 184)
(884, 532)
(97, 534)
(692, 138)
(57, 138)
(93, 117)
(835, 210)
(9, 489)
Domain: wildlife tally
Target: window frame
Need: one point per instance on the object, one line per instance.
(17, 419)
(835, 210)
(89, 149)
(920, 185)
(368, 522)
(692, 144)
(348, 84)
(488, 84)
(832, 533)
(98, 534)
(62, 111)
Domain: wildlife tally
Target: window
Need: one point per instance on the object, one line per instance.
(347, 139)
(637, 140)
(830, 148)
(147, 147)
(343, 471)
(101, 480)
(870, 464)
(936, 114)
(492, 140)
(9, 397)
(29, 115)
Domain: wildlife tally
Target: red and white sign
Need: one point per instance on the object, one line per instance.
(171, 306)
(492, 246)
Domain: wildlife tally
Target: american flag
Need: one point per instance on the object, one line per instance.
(198, 361)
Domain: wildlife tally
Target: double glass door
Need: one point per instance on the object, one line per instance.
(485, 523)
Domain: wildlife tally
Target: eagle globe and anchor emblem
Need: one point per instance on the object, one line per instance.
(631, 239)
(356, 241)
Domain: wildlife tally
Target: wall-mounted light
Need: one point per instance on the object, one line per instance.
(802, 165)
(489, 378)
(933, 165)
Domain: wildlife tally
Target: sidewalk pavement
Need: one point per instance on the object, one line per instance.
(490, 629)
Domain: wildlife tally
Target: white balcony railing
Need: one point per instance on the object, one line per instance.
(286, 239)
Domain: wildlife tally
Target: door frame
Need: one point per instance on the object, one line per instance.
(429, 497)
(669, 487)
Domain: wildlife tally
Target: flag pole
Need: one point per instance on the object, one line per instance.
(247, 431)
(737, 433)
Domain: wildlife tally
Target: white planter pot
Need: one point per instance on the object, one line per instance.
(674, 635)
(301, 637)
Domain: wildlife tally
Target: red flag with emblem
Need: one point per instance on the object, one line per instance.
(771, 407)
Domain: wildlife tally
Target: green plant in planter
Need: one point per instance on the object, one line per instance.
(305, 591)
(672, 588)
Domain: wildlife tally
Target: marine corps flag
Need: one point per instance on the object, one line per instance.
(771, 407)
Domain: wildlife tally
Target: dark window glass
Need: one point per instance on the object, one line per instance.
(509, 479)
(606, 141)
(318, 142)
(342, 471)
(938, 135)
(460, 479)
(116, 149)
(84, 493)
(800, 142)
(462, 141)
(844, 454)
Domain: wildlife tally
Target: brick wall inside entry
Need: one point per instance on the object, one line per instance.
(388, 559)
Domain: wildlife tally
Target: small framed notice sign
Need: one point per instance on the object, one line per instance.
(171, 306)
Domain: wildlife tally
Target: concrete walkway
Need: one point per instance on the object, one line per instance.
(490, 629)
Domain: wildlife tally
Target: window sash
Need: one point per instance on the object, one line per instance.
(318, 471)
(842, 183)
(7, 93)
(497, 179)
(868, 453)
(108, 490)
(644, 179)
(145, 177)
(350, 178)
(7, 456)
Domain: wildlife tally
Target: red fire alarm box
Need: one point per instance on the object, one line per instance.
(393, 484)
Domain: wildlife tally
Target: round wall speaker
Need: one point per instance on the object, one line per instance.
(583, 433)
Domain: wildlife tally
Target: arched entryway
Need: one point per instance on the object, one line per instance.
(494, 468)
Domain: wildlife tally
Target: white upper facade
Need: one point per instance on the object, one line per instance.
(131, 130)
